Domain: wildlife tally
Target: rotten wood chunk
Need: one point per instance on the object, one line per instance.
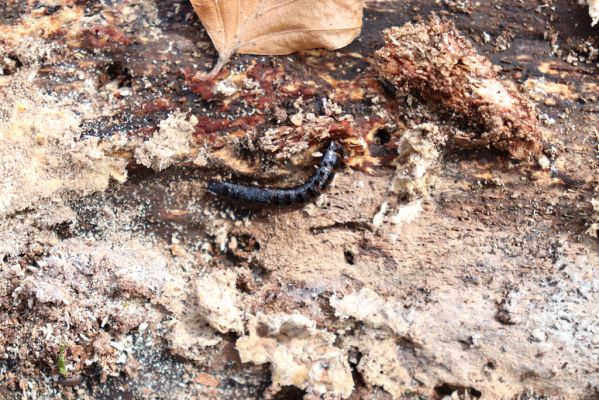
(433, 61)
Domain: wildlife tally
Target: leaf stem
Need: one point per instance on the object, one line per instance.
(220, 63)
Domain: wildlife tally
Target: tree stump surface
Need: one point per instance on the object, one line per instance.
(482, 282)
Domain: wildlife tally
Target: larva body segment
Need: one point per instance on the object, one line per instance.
(282, 196)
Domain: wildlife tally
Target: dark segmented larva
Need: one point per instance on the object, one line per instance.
(287, 196)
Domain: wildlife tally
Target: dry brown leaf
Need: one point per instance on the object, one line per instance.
(276, 27)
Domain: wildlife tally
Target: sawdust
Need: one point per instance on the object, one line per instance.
(42, 26)
(390, 355)
(88, 294)
(189, 336)
(384, 322)
(381, 366)
(379, 217)
(287, 142)
(406, 343)
(407, 213)
(199, 310)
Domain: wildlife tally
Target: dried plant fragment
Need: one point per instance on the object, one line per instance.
(276, 27)
(435, 62)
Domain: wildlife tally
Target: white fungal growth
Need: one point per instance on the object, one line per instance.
(593, 9)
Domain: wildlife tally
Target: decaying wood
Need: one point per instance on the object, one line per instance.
(481, 280)
(278, 26)
(435, 62)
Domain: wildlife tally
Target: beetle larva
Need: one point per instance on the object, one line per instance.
(283, 196)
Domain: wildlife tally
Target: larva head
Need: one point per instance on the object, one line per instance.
(335, 147)
(218, 188)
(331, 156)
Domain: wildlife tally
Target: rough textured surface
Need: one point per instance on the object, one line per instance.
(171, 144)
(433, 61)
(417, 152)
(219, 300)
(299, 354)
(428, 268)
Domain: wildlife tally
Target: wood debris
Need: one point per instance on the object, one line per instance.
(436, 63)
